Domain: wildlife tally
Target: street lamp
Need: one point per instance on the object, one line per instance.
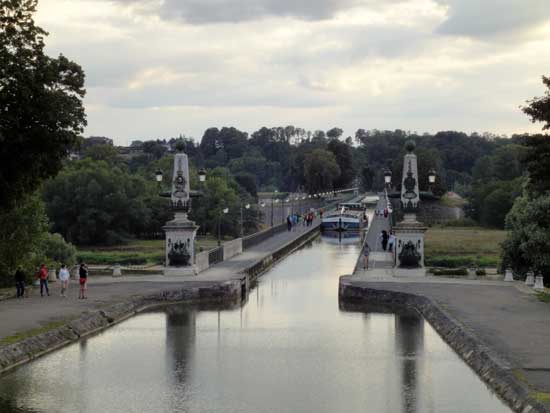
(223, 211)
(202, 175)
(431, 177)
(158, 176)
(247, 206)
(387, 177)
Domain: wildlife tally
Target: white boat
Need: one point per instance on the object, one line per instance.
(350, 216)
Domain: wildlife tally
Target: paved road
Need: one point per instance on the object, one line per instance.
(34, 312)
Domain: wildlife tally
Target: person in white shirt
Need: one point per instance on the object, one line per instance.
(64, 276)
(391, 241)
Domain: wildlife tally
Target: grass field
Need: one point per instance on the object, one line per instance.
(137, 252)
(457, 246)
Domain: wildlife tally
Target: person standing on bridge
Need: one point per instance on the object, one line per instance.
(391, 241)
(384, 239)
(366, 253)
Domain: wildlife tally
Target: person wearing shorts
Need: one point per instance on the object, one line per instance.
(64, 276)
(366, 253)
(83, 272)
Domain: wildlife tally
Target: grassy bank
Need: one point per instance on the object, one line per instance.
(136, 252)
(463, 246)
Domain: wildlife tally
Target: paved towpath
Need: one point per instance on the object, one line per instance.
(19, 315)
(378, 258)
(507, 317)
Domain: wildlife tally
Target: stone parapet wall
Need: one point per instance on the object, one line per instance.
(201, 261)
(486, 364)
(232, 248)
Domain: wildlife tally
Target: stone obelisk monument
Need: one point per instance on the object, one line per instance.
(180, 232)
(409, 233)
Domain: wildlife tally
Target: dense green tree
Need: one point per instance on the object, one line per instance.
(334, 133)
(91, 202)
(155, 148)
(107, 153)
(41, 103)
(23, 229)
(320, 170)
(537, 162)
(344, 158)
(538, 109)
(528, 244)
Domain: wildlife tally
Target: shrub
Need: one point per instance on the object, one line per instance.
(449, 271)
(56, 249)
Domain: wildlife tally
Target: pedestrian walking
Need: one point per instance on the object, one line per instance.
(64, 276)
(366, 253)
(384, 239)
(83, 272)
(391, 241)
(19, 282)
(43, 276)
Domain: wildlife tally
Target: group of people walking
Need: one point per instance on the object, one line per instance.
(42, 275)
(295, 219)
(382, 212)
(387, 240)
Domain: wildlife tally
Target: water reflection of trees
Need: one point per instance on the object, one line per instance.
(409, 338)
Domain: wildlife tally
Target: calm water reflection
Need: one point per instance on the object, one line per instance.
(289, 349)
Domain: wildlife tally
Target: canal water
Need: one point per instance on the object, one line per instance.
(288, 349)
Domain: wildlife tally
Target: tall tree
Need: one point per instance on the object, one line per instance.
(539, 108)
(320, 170)
(40, 103)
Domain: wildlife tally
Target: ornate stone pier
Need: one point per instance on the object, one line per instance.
(409, 233)
(180, 232)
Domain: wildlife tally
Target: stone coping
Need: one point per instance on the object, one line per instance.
(231, 291)
(488, 365)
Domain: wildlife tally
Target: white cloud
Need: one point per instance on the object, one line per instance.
(411, 64)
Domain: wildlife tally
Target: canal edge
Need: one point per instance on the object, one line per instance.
(485, 363)
(92, 322)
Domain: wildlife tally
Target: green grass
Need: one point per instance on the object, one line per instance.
(463, 246)
(541, 396)
(136, 252)
(544, 296)
(15, 338)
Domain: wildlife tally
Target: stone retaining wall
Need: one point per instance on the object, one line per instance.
(197, 292)
(89, 323)
(465, 344)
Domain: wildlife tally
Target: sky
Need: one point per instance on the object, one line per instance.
(161, 68)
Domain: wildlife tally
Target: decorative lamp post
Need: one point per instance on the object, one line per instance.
(431, 178)
(387, 177)
(223, 212)
(158, 176)
(247, 206)
(202, 175)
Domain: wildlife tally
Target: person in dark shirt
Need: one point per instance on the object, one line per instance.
(83, 273)
(20, 282)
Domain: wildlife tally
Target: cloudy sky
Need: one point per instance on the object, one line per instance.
(158, 68)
